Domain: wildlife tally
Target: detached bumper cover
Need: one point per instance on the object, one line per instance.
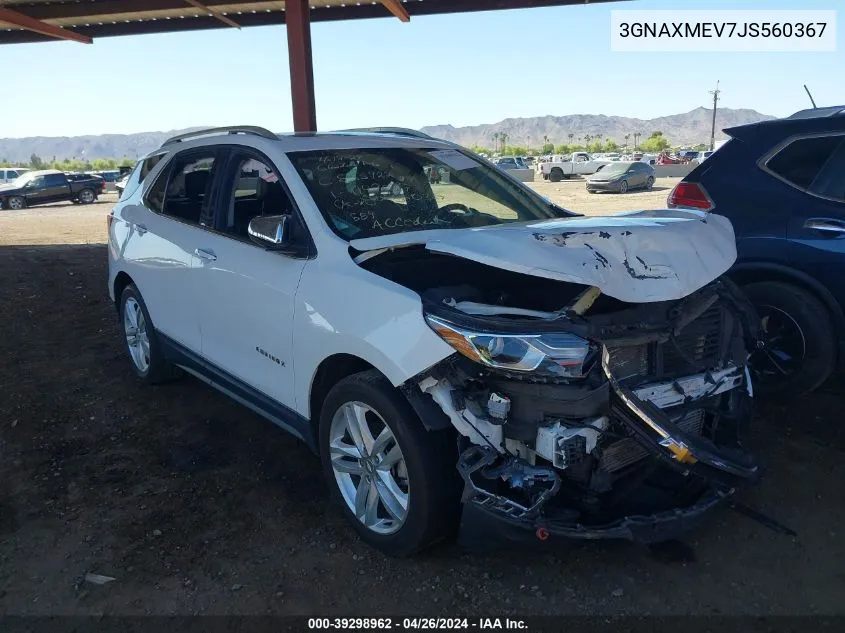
(480, 523)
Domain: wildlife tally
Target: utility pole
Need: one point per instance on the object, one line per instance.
(715, 94)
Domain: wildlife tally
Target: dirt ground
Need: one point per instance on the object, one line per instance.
(195, 505)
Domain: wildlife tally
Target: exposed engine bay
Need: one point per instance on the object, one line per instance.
(580, 414)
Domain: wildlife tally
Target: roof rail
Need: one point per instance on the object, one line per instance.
(231, 129)
(399, 131)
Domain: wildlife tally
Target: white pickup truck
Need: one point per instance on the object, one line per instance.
(576, 164)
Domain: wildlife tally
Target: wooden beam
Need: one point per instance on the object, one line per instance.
(16, 18)
(298, 22)
(396, 8)
(223, 18)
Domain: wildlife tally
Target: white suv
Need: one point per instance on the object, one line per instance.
(575, 376)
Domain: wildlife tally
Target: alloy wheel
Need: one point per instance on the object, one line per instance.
(785, 346)
(137, 338)
(369, 467)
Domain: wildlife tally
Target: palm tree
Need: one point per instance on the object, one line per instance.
(495, 142)
(504, 138)
(627, 136)
(587, 139)
(570, 136)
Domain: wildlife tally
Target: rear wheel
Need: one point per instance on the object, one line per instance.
(800, 352)
(16, 203)
(556, 174)
(395, 482)
(86, 196)
(142, 343)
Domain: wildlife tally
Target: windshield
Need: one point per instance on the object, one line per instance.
(614, 168)
(21, 180)
(381, 191)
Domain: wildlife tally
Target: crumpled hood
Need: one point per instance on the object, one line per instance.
(635, 256)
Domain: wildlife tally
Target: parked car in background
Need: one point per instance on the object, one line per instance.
(467, 347)
(578, 163)
(782, 185)
(510, 162)
(120, 184)
(9, 174)
(47, 186)
(110, 176)
(621, 177)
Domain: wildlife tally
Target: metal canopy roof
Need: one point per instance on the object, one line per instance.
(82, 20)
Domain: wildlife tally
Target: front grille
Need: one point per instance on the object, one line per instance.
(697, 347)
(627, 451)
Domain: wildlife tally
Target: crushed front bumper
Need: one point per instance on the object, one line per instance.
(481, 526)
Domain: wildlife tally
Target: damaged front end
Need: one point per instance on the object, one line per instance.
(602, 419)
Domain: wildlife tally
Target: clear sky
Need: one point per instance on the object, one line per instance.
(461, 69)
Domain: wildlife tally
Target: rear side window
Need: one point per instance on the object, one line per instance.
(182, 192)
(54, 180)
(802, 160)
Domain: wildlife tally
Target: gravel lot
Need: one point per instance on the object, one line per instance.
(195, 505)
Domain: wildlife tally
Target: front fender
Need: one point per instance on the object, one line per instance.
(344, 309)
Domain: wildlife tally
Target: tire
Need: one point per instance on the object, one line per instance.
(556, 174)
(591, 191)
(15, 203)
(649, 183)
(424, 474)
(156, 369)
(797, 308)
(623, 186)
(86, 196)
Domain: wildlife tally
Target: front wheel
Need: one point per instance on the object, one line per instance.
(86, 196)
(801, 342)
(623, 186)
(396, 482)
(649, 183)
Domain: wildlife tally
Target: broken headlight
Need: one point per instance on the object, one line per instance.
(560, 355)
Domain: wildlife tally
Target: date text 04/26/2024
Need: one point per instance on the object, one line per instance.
(417, 624)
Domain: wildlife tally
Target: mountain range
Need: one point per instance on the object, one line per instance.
(688, 128)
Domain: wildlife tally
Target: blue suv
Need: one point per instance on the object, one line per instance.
(782, 185)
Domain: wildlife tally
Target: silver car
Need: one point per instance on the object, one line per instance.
(621, 177)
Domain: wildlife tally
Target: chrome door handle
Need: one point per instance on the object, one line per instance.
(825, 226)
(208, 256)
(141, 229)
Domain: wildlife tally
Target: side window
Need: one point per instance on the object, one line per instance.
(54, 180)
(37, 183)
(187, 188)
(801, 161)
(256, 191)
(830, 181)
